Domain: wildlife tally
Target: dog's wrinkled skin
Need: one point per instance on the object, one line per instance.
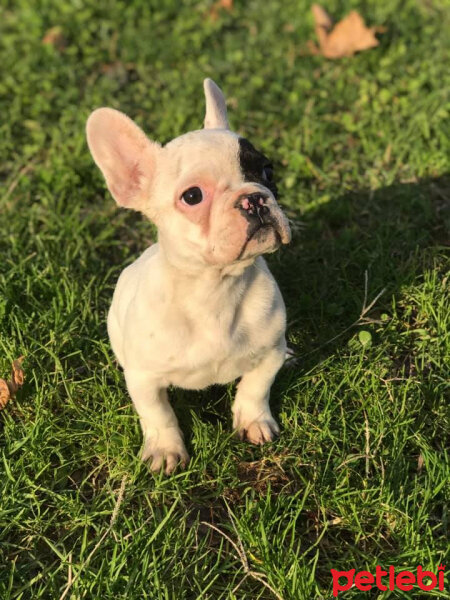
(199, 307)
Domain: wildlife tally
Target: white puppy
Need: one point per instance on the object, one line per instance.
(199, 307)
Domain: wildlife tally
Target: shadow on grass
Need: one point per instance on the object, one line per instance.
(390, 233)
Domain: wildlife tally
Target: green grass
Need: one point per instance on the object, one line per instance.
(358, 475)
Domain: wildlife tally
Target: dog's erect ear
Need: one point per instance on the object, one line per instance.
(124, 154)
(216, 109)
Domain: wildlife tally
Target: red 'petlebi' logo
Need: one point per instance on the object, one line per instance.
(403, 580)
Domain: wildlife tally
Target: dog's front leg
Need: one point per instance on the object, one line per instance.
(163, 440)
(252, 418)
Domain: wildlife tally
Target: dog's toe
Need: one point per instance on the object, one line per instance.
(169, 461)
(259, 431)
(165, 451)
(172, 461)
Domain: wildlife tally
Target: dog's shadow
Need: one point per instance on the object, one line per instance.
(337, 243)
(382, 233)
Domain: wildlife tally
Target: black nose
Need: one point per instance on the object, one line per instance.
(254, 206)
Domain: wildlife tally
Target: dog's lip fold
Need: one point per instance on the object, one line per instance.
(284, 231)
(255, 231)
(262, 225)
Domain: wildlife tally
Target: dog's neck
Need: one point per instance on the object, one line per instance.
(185, 268)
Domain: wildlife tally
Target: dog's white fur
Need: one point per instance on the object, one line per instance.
(200, 306)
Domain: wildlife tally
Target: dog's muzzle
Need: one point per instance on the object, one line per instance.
(265, 220)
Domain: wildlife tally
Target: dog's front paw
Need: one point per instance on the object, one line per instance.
(165, 448)
(256, 431)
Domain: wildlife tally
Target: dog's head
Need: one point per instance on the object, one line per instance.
(211, 194)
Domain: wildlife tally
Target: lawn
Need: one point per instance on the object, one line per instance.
(361, 146)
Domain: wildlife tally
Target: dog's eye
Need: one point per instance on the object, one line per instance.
(267, 173)
(192, 196)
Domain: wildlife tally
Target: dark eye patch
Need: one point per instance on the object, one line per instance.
(253, 163)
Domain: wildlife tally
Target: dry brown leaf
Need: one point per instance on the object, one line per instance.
(323, 23)
(18, 376)
(420, 463)
(348, 36)
(218, 6)
(4, 394)
(9, 388)
(54, 37)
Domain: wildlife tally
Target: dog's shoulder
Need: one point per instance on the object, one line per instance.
(132, 278)
(136, 269)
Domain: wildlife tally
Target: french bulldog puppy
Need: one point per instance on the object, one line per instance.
(199, 307)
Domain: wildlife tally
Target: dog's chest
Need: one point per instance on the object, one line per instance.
(199, 334)
(211, 343)
(217, 350)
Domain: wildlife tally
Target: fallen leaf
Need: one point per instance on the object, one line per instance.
(4, 394)
(348, 36)
(18, 376)
(420, 462)
(323, 23)
(218, 6)
(9, 388)
(54, 37)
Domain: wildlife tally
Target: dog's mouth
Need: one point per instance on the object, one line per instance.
(260, 233)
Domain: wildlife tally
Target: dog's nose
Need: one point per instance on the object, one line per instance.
(255, 205)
